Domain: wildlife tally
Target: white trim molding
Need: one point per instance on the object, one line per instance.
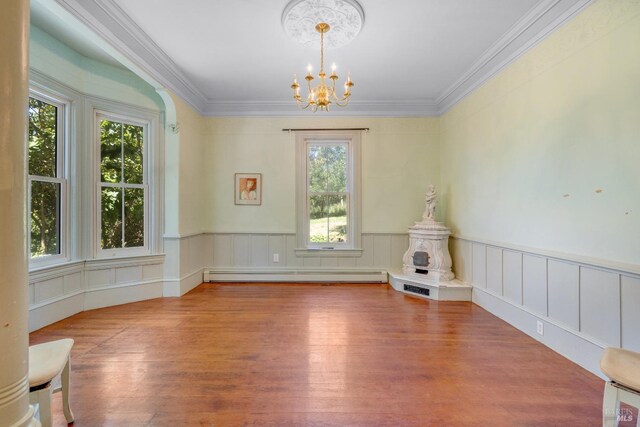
(221, 274)
(581, 306)
(106, 19)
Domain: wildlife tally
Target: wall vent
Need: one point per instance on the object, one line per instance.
(416, 290)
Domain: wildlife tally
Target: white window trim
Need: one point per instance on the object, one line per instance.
(149, 122)
(354, 246)
(63, 150)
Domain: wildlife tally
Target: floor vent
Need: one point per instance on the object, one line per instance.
(416, 290)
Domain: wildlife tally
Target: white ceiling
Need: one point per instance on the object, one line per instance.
(412, 57)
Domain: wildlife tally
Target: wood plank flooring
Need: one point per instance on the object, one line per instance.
(314, 355)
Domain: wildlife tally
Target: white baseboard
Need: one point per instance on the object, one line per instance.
(293, 275)
(575, 347)
(47, 313)
(179, 287)
(122, 294)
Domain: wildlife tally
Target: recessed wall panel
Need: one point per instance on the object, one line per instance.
(494, 269)
(534, 283)
(48, 289)
(630, 312)
(241, 250)
(366, 260)
(72, 282)
(222, 244)
(382, 251)
(128, 274)
(479, 265)
(260, 250)
(512, 276)
(153, 271)
(461, 254)
(600, 305)
(564, 293)
(99, 278)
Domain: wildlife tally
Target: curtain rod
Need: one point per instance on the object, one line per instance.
(294, 130)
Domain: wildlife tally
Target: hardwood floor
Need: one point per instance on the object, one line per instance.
(318, 355)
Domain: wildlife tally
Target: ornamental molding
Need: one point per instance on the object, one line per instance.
(345, 17)
(108, 21)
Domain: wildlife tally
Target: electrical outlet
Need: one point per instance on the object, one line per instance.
(540, 328)
(276, 257)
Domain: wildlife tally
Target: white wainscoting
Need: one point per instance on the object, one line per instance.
(186, 258)
(584, 306)
(250, 256)
(61, 291)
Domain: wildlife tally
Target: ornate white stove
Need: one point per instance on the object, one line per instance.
(426, 265)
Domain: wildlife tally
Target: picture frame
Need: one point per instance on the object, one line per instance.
(248, 189)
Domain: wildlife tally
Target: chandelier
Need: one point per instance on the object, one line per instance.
(323, 94)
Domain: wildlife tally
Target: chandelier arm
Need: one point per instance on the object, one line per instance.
(302, 105)
(345, 103)
(333, 89)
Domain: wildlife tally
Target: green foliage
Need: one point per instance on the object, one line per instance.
(43, 120)
(327, 168)
(111, 217)
(45, 196)
(121, 162)
(44, 218)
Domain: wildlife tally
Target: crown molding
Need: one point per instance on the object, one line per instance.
(534, 27)
(110, 22)
(289, 108)
(113, 25)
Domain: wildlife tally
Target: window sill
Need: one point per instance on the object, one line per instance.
(341, 253)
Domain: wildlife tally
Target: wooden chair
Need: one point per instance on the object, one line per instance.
(47, 361)
(623, 369)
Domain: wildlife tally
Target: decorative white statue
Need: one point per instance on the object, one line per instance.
(430, 204)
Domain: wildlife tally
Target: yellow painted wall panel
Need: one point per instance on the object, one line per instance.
(546, 153)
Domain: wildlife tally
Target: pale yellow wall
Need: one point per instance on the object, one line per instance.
(400, 158)
(547, 153)
(192, 181)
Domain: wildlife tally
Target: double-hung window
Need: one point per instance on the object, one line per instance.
(47, 182)
(328, 190)
(123, 213)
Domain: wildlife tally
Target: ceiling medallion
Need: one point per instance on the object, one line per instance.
(345, 17)
(302, 20)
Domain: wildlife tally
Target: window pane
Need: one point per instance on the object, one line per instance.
(110, 151)
(133, 140)
(134, 217)
(337, 218)
(43, 140)
(111, 218)
(317, 169)
(328, 219)
(327, 168)
(45, 218)
(318, 225)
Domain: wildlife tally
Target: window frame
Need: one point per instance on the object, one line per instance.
(130, 119)
(63, 142)
(352, 247)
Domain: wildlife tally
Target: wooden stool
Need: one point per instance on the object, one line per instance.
(47, 361)
(623, 369)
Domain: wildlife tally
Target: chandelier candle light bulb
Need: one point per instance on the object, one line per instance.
(322, 95)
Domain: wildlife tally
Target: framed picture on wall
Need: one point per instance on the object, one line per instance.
(248, 189)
